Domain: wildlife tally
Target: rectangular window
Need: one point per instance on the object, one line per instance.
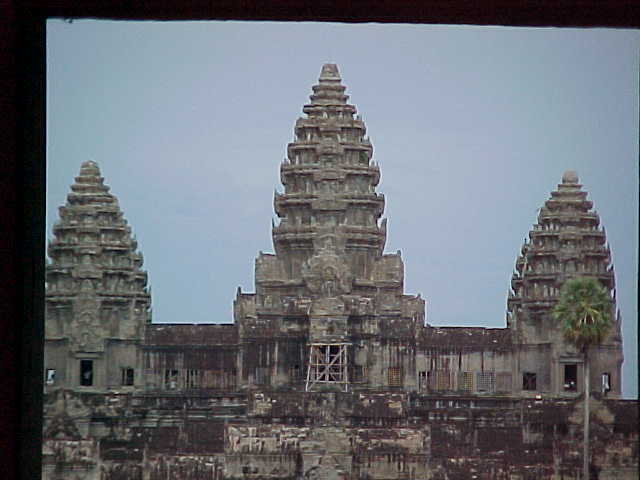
(465, 381)
(193, 379)
(422, 380)
(171, 379)
(127, 376)
(86, 373)
(529, 381)
(444, 379)
(439, 380)
(606, 382)
(395, 376)
(485, 381)
(571, 377)
(50, 376)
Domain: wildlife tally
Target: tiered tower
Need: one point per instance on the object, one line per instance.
(329, 370)
(329, 182)
(97, 301)
(329, 276)
(566, 242)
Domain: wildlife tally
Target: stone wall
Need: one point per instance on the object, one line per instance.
(333, 435)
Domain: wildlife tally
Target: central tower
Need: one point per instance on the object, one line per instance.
(329, 280)
(329, 200)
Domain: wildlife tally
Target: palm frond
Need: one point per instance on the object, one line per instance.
(584, 308)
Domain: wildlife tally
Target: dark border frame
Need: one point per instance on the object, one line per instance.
(23, 143)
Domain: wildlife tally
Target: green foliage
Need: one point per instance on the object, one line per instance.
(584, 308)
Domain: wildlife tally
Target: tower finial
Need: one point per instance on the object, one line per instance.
(330, 72)
(570, 176)
(89, 168)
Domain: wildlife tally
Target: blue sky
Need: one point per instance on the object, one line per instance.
(472, 128)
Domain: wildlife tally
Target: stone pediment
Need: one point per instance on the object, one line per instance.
(327, 274)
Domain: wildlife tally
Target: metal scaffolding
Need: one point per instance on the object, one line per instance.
(328, 364)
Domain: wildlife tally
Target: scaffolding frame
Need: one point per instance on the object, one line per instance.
(328, 364)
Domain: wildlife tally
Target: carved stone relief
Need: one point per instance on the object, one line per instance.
(327, 273)
(87, 334)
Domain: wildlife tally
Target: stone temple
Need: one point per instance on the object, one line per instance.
(328, 370)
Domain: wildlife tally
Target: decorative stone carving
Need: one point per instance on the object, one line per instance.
(327, 274)
(87, 334)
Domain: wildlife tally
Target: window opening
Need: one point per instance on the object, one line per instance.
(127, 376)
(86, 373)
(422, 380)
(465, 381)
(395, 376)
(193, 379)
(51, 376)
(485, 381)
(529, 381)
(171, 379)
(571, 377)
(606, 382)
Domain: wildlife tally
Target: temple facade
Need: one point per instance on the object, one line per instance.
(328, 369)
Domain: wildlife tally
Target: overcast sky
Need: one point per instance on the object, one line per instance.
(472, 128)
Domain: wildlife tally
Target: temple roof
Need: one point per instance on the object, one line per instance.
(180, 334)
(465, 338)
(566, 241)
(92, 241)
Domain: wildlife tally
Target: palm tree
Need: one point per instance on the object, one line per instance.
(584, 307)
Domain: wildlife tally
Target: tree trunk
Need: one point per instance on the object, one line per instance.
(587, 396)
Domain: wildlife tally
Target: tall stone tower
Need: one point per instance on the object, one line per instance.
(329, 371)
(566, 242)
(97, 302)
(329, 285)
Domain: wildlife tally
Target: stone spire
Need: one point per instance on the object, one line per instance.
(95, 286)
(567, 241)
(329, 198)
(329, 276)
